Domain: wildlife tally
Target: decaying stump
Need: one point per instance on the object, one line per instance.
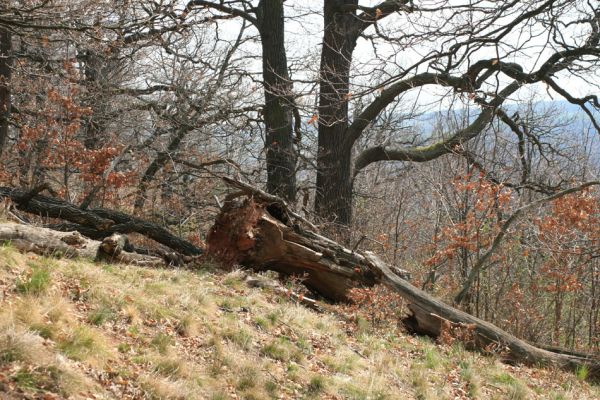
(43, 241)
(247, 234)
(260, 232)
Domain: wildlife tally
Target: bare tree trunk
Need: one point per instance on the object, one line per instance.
(279, 103)
(333, 199)
(5, 76)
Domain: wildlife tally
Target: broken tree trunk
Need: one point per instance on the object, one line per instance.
(247, 234)
(260, 232)
(47, 242)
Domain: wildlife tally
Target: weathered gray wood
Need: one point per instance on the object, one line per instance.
(47, 242)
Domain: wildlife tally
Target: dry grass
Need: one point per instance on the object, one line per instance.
(78, 330)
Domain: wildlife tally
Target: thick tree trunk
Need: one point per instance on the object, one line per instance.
(5, 74)
(278, 111)
(260, 233)
(333, 200)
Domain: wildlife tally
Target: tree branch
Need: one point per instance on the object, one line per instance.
(445, 146)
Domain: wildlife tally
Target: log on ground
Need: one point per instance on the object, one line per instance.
(47, 242)
(246, 233)
(96, 223)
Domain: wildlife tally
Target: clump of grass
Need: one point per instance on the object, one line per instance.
(247, 378)
(81, 344)
(504, 378)
(239, 336)
(162, 342)
(38, 379)
(35, 282)
(316, 385)
(582, 372)
(473, 382)
(20, 346)
(517, 391)
(432, 358)
(169, 366)
(101, 315)
(44, 330)
(163, 388)
(281, 349)
(262, 323)
(272, 388)
(340, 363)
(419, 381)
(187, 326)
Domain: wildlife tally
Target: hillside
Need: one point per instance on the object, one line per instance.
(74, 329)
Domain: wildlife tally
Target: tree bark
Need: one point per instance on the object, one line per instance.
(333, 199)
(256, 234)
(279, 103)
(5, 76)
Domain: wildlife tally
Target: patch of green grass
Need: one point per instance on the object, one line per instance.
(582, 372)
(316, 385)
(7, 254)
(353, 392)
(162, 342)
(101, 315)
(282, 349)
(80, 344)
(272, 388)
(273, 317)
(25, 380)
(432, 358)
(340, 364)
(44, 330)
(517, 391)
(34, 283)
(473, 383)
(504, 378)
(38, 379)
(262, 323)
(124, 348)
(239, 336)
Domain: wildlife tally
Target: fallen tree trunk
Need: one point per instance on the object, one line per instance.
(48, 242)
(247, 233)
(96, 223)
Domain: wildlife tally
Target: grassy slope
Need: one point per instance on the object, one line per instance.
(73, 329)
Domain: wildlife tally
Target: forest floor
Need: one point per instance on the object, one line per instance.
(75, 329)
